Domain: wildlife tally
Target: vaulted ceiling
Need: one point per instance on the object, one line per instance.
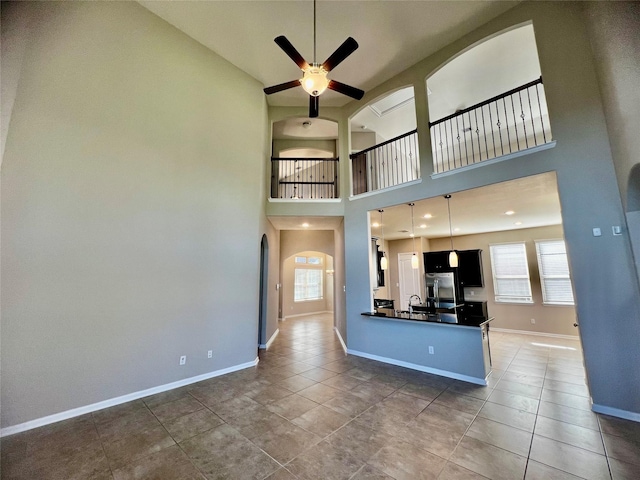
(393, 35)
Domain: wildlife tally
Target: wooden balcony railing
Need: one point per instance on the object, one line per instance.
(385, 165)
(304, 178)
(511, 122)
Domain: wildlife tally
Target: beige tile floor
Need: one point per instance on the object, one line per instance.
(307, 411)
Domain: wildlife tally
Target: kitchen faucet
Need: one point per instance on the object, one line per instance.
(411, 305)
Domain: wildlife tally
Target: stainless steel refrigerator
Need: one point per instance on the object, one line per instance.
(441, 287)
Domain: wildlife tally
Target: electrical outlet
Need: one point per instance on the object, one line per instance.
(183, 359)
(430, 350)
(210, 354)
(533, 321)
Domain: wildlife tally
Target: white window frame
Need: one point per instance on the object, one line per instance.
(544, 277)
(306, 286)
(499, 277)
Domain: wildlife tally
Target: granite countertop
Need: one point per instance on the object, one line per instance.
(447, 319)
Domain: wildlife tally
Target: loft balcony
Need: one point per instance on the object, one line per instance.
(513, 122)
(388, 164)
(304, 178)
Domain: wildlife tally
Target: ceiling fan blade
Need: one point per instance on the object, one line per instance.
(314, 106)
(347, 90)
(291, 51)
(342, 52)
(282, 86)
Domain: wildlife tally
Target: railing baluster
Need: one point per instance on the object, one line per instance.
(544, 134)
(515, 122)
(533, 128)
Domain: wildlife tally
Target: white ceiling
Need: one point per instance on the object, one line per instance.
(533, 199)
(393, 35)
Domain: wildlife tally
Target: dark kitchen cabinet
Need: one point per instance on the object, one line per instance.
(476, 311)
(435, 262)
(470, 268)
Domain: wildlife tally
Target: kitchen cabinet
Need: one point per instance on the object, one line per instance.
(470, 268)
(435, 262)
(473, 311)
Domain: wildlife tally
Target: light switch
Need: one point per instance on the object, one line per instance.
(617, 230)
(597, 232)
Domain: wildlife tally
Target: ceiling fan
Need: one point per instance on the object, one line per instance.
(314, 79)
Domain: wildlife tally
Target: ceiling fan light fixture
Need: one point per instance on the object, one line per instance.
(314, 80)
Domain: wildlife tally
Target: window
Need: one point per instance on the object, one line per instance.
(554, 272)
(308, 284)
(510, 273)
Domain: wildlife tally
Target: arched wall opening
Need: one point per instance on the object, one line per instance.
(307, 284)
(633, 214)
(304, 158)
(384, 142)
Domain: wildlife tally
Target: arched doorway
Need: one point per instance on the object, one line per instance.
(262, 304)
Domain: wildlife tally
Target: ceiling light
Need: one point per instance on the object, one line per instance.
(305, 224)
(414, 258)
(424, 225)
(383, 261)
(375, 224)
(518, 223)
(456, 229)
(509, 212)
(453, 256)
(428, 215)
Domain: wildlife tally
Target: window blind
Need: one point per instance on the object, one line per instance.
(308, 284)
(554, 272)
(510, 273)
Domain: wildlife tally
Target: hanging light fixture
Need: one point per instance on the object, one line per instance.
(453, 256)
(383, 261)
(414, 258)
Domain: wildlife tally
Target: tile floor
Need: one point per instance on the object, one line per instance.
(307, 411)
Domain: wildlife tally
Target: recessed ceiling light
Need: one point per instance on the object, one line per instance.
(518, 223)
(411, 235)
(428, 215)
(509, 212)
(375, 224)
(305, 224)
(456, 229)
(424, 225)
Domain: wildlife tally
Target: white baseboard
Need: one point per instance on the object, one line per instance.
(344, 345)
(265, 346)
(616, 412)
(306, 314)
(539, 334)
(76, 412)
(421, 368)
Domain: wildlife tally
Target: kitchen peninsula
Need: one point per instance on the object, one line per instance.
(453, 345)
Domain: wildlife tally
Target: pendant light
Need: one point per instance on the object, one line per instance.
(453, 256)
(414, 258)
(383, 261)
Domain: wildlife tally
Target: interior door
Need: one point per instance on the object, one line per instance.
(408, 278)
